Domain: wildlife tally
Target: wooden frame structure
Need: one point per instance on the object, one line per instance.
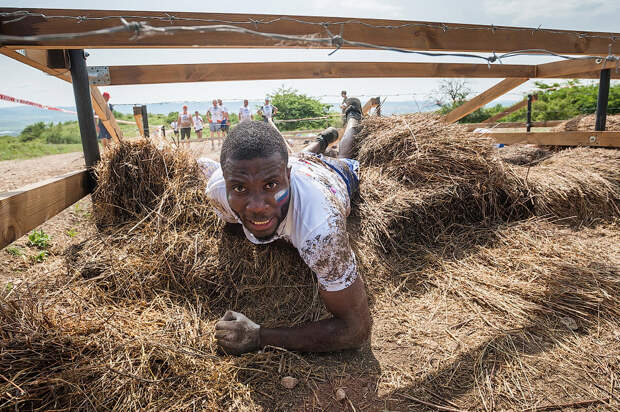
(24, 209)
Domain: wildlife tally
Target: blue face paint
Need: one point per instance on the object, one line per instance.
(282, 196)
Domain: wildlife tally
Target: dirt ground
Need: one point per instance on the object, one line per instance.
(433, 330)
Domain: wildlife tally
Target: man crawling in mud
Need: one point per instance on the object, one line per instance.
(304, 199)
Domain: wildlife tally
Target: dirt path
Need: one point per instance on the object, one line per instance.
(17, 173)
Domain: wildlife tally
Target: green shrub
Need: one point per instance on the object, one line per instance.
(39, 239)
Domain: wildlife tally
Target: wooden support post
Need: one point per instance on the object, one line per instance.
(603, 100)
(137, 114)
(145, 122)
(528, 118)
(483, 98)
(86, 121)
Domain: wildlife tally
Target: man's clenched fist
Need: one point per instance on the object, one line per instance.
(237, 334)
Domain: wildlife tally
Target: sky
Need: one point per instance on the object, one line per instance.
(24, 82)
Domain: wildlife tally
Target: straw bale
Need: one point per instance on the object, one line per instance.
(587, 122)
(129, 325)
(580, 185)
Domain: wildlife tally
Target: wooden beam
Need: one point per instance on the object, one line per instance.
(571, 67)
(24, 209)
(564, 138)
(38, 60)
(509, 110)
(509, 125)
(102, 109)
(213, 72)
(415, 35)
(483, 98)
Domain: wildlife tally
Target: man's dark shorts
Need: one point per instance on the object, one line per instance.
(103, 132)
(347, 169)
(185, 132)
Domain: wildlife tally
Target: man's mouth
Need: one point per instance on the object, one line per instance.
(260, 222)
(257, 225)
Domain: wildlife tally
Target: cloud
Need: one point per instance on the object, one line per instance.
(538, 11)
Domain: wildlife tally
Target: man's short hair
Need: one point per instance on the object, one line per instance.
(251, 140)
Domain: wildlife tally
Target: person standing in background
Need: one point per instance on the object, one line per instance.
(267, 110)
(244, 112)
(197, 120)
(102, 133)
(343, 106)
(214, 117)
(225, 118)
(185, 124)
(175, 129)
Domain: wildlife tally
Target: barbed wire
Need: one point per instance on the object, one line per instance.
(171, 18)
(141, 29)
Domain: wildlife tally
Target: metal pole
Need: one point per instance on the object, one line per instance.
(528, 123)
(145, 121)
(84, 107)
(603, 100)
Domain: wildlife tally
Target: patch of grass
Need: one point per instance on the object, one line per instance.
(40, 257)
(39, 239)
(12, 148)
(72, 232)
(15, 251)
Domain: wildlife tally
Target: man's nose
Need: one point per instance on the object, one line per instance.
(257, 204)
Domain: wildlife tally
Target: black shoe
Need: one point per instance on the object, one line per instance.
(329, 135)
(353, 109)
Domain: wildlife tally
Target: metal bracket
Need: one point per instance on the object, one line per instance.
(99, 75)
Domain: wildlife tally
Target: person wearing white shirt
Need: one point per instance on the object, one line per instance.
(303, 199)
(225, 124)
(214, 117)
(197, 120)
(244, 112)
(267, 110)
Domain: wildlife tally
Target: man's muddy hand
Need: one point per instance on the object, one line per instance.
(236, 334)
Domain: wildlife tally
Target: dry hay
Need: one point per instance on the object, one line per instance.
(579, 185)
(421, 177)
(130, 323)
(587, 122)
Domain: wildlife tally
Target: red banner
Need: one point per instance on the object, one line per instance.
(41, 106)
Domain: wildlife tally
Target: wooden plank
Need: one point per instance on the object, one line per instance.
(214, 72)
(509, 110)
(38, 60)
(24, 209)
(483, 98)
(416, 35)
(140, 123)
(508, 125)
(102, 109)
(565, 138)
(571, 67)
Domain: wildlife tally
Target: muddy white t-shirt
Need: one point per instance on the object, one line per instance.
(315, 223)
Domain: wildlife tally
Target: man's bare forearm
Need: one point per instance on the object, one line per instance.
(322, 336)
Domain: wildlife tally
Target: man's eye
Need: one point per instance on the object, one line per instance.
(239, 189)
(271, 185)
